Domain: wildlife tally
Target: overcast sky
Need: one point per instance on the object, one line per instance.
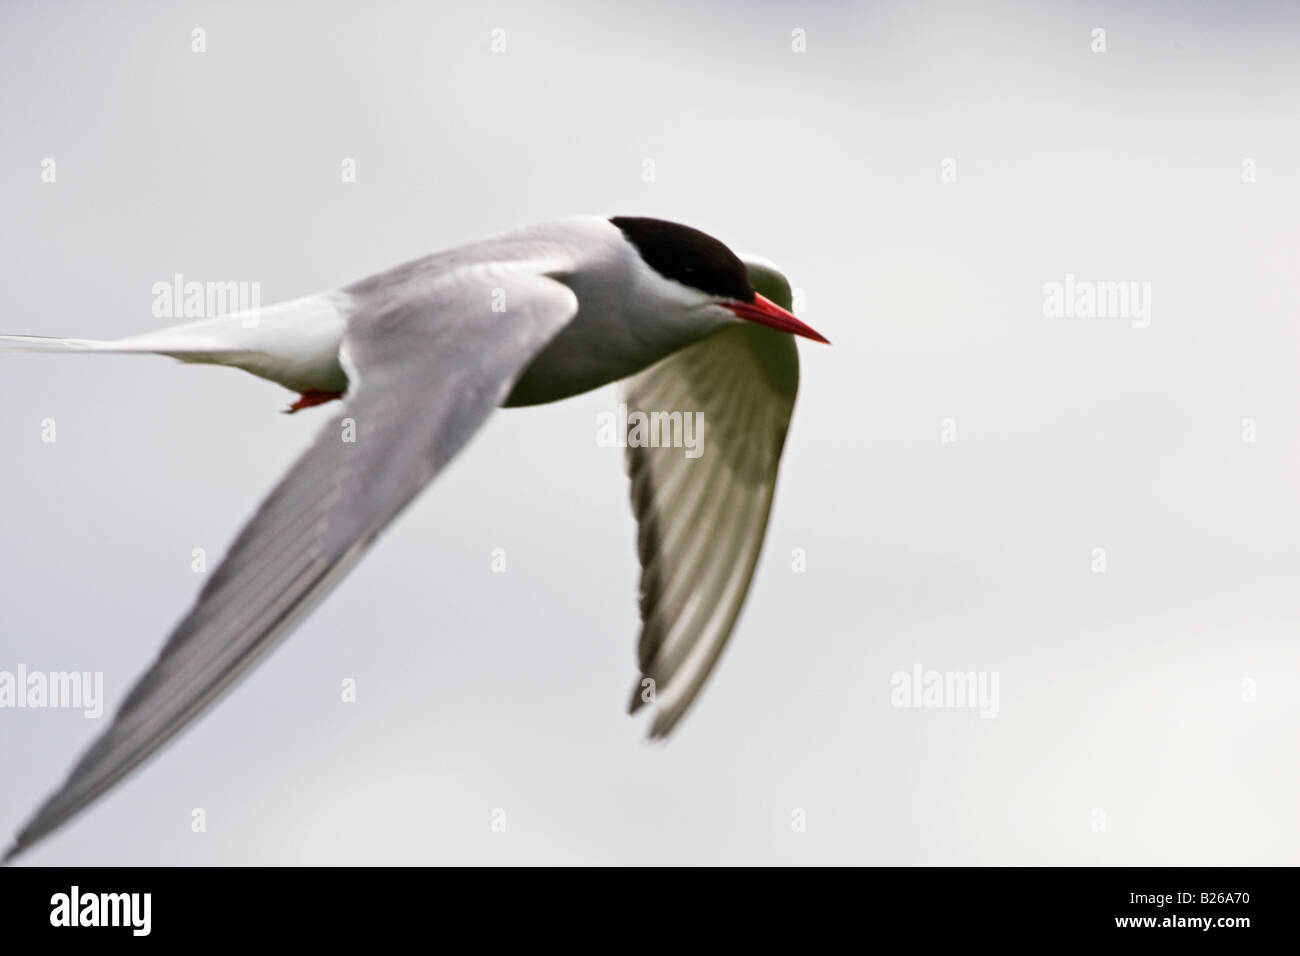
(1101, 510)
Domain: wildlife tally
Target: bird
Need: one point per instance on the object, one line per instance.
(419, 356)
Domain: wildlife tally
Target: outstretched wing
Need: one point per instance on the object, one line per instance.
(428, 358)
(701, 521)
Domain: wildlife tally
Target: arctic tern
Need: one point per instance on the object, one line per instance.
(420, 355)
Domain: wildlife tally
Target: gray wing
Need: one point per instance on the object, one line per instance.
(701, 521)
(428, 359)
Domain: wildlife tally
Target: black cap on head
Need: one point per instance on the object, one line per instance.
(688, 256)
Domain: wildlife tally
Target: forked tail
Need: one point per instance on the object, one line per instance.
(293, 343)
(42, 343)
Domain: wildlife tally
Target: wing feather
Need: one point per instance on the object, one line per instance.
(428, 360)
(701, 522)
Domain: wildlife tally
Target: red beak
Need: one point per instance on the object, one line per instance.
(766, 312)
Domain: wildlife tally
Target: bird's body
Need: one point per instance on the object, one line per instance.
(619, 328)
(421, 354)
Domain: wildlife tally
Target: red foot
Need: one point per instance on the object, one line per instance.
(311, 398)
